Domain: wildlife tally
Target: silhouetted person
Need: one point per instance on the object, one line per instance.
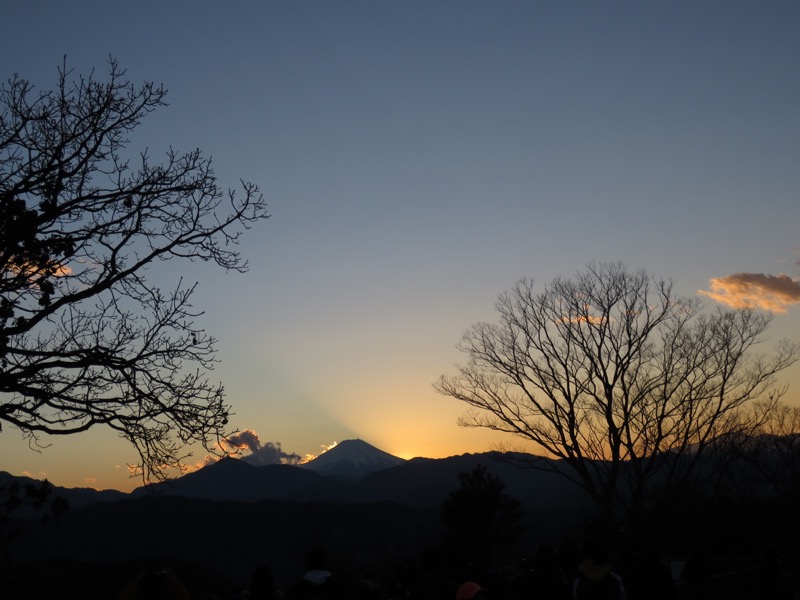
(697, 576)
(369, 587)
(545, 580)
(318, 583)
(774, 582)
(469, 590)
(157, 584)
(262, 584)
(645, 574)
(595, 579)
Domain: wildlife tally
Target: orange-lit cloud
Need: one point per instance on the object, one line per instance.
(247, 446)
(325, 448)
(774, 293)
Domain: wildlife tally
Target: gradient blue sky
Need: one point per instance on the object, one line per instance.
(419, 157)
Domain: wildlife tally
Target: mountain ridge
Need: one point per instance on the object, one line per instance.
(341, 478)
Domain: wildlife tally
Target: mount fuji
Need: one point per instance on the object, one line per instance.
(352, 459)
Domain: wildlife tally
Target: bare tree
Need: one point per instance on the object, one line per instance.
(85, 338)
(617, 377)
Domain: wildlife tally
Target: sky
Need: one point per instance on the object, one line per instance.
(420, 157)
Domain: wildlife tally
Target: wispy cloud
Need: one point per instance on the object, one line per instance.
(775, 293)
(582, 319)
(40, 475)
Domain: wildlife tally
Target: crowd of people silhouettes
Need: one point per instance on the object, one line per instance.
(588, 574)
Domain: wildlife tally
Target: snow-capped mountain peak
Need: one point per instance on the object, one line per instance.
(352, 458)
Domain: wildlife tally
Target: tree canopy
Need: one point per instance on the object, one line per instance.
(85, 338)
(480, 515)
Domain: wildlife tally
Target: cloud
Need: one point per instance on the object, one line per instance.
(324, 447)
(774, 293)
(271, 453)
(246, 445)
(243, 440)
(209, 459)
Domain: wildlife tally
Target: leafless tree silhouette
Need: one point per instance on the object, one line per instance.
(85, 338)
(615, 375)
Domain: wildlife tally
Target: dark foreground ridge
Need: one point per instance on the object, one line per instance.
(385, 534)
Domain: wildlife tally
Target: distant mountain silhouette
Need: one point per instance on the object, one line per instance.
(352, 459)
(353, 475)
(232, 515)
(423, 482)
(352, 472)
(76, 497)
(386, 518)
(235, 480)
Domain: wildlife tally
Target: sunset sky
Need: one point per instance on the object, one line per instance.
(419, 157)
